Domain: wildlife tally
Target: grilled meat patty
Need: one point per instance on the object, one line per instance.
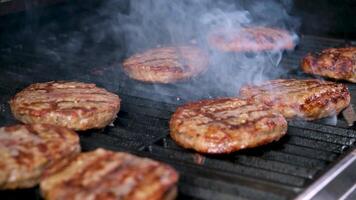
(309, 99)
(166, 65)
(225, 125)
(251, 39)
(75, 105)
(103, 174)
(336, 63)
(27, 150)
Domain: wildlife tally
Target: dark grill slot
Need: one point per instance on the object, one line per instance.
(321, 136)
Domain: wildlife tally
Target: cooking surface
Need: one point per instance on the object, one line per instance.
(280, 170)
(276, 171)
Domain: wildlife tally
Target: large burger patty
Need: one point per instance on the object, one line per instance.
(309, 99)
(251, 39)
(27, 150)
(336, 63)
(75, 105)
(225, 125)
(167, 64)
(103, 174)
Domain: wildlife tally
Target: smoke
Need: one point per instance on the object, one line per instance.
(153, 23)
(129, 27)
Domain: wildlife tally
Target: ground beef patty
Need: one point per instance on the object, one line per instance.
(75, 105)
(167, 64)
(225, 125)
(103, 174)
(309, 99)
(251, 39)
(27, 150)
(336, 63)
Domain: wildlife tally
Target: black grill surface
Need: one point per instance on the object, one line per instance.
(280, 170)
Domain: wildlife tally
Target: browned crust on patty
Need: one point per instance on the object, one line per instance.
(166, 64)
(27, 150)
(336, 63)
(75, 105)
(103, 174)
(309, 99)
(225, 125)
(251, 39)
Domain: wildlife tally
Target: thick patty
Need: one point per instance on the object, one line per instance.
(103, 174)
(251, 39)
(27, 150)
(336, 63)
(225, 125)
(309, 99)
(75, 105)
(167, 64)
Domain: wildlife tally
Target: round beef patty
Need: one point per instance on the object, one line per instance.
(308, 99)
(27, 150)
(103, 174)
(251, 39)
(225, 125)
(75, 105)
(167, 64)
(336, 63)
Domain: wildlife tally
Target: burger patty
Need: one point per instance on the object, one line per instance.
(336, 63)
(27, 150)
(166, 65)
(103, 174)
(251, 39)
(309, 99)
(225, 125)
(75, 105)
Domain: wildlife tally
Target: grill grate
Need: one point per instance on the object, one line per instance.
(280, 170)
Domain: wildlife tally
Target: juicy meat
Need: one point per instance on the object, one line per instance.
(251, 39)
(75, 105)
(103, 175)
(27, 150)
(167, 64)
(336, 63)
(309, 99)
(225, 125)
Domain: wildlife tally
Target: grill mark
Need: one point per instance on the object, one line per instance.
(297, 89)
(136, 62)
(76, 179)
(168, 64)
(223, 121)
(139, 183)
(54, 104)
(131, 167)
(236, 126)
(323, 99)
(287, 83)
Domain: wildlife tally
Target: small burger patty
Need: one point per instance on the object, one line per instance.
(225, 125)
(103, 174)
(309, 99)
(27, 150)
(167, 64)
(251, 39)
(75, 105)
(336, 63)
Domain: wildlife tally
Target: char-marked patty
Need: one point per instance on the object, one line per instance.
(225, 125)
(251, 39)
(309, 99)
(336, 63)
(166, 64)
(75, 105)
(103, 174)
(27, 150)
